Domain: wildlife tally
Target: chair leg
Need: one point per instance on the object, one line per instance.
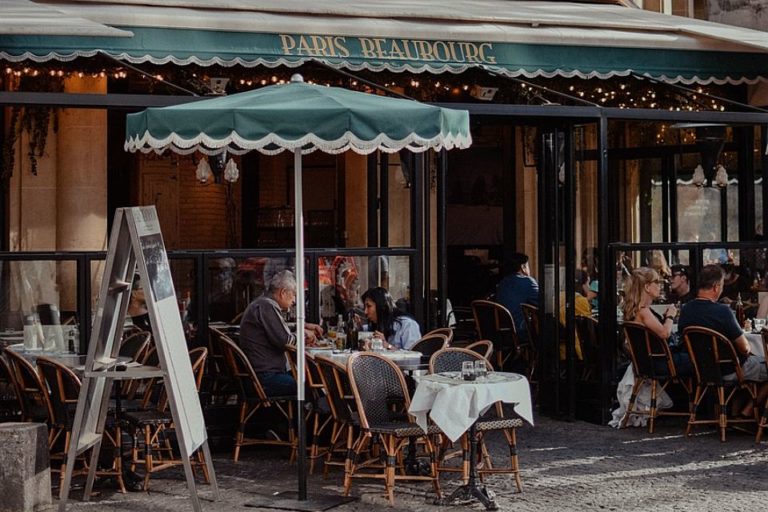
(652, 409)
(147, 456)
(631, 405)
(513, 460)
(722, 413)
(351, 461)
(240, 432)
(389, 476)
(763, 423)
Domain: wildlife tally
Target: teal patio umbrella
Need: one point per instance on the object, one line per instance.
(301, 118)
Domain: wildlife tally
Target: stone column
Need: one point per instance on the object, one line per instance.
(25, 474)
(81, 222)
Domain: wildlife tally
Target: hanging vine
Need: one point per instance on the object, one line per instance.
(35, 121)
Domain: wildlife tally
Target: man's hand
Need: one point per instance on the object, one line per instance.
(315, 328)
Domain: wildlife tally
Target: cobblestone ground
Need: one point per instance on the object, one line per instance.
(565, 467)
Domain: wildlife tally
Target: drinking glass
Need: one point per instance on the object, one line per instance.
(468, 370)
(377, 344)
(759, 324)
(481, 370)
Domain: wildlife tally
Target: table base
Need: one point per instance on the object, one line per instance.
(471, 491)
(467, 493)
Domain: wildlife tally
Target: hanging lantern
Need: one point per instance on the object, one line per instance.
(721, 178)
(203, 171)
(698, 176)
(231, 172)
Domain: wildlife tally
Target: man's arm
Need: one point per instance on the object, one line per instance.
(742, 345)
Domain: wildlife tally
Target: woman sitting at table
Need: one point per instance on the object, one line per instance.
(641, 289)
(393, 326)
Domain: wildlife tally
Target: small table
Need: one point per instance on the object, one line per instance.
(455, 406)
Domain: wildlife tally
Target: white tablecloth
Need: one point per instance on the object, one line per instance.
(399, 357)
(454, 404)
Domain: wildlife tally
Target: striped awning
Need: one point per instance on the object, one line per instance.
(514, 38)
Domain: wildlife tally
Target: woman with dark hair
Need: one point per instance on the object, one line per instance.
(393, 326)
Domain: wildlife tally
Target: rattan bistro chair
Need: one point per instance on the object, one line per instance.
(376, 384)
(482, 347)
(764, 418)
(494, 322)
(343, 413)
(319, 416)
(32, 391)
(429, 344)
(449, 360)
(252, 399)
(445, 331)
(652, 363)
(714, 357)
(158, 429)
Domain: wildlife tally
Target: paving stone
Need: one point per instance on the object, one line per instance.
(566, 466)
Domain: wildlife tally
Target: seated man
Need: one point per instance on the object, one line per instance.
(516, 289)
(705, 311)
(680, 285)
(264, 335)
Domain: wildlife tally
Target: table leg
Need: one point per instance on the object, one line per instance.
(471, 491)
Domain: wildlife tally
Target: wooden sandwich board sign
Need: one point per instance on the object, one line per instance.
(136, 245)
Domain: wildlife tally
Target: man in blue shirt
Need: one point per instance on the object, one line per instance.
(518, 288)
(705, 311)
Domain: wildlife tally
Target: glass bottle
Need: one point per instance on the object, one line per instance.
(739, 310)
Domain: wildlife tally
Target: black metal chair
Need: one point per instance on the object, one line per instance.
(652, 363)
(450, 360)
(157, 428)
(714, 357)
(252, 399)
(377, 383)
(343, 414)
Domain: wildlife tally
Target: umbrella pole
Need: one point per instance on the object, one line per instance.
(300, 322)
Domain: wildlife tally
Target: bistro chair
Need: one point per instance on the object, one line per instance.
(64, 391)
(652, 363)
(376, 384)
(10, 404)
(135, 346)
(450, 360)
(764, 417)
(713, 357)
(445, 331)
(319, 417)
(156, 425)
(495, 323)
(343, 414)
(482, 347)
(429, 344)
(252, 399)
(587, 329)
(222, 385)
(32, 391)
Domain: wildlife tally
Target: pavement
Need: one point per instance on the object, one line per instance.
(565, 466)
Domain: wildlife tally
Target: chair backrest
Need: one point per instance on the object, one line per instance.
(197, 357)
(532, 323)
(311, 372)
(764, 336)
(32, 391)
(135, 344)
(336, 383)
(712, 354)
(495, 323)
(240, 369)
(377, 383)
(646, 350)
(450, 359)
(8, 382)
(445, 331)
(482, 347)
(587, 329)
(429, 344)
(64, 389)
